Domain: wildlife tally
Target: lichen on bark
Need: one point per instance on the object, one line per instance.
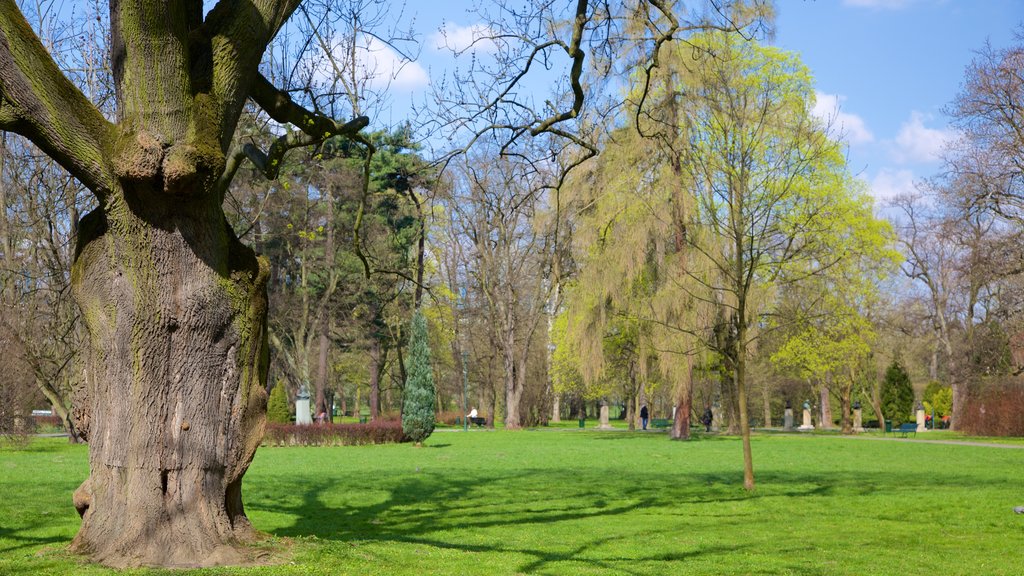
(174, 396)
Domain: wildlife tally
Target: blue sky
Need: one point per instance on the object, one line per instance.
(884, 69)
(892, 65)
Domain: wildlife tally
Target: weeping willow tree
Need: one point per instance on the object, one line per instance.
(635, 271)
(726, 189)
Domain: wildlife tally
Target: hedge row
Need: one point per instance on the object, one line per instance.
(994, 409)
(377, 432)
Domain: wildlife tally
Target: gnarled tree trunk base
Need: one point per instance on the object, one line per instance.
(174, 403)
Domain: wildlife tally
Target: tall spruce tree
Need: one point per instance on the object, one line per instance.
(897, 393)
(418, 397)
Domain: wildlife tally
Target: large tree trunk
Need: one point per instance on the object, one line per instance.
(174, 403)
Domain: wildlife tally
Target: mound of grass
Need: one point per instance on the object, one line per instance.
(559, 502)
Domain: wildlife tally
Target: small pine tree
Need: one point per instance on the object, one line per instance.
(277, 405)
(418, 397)
(897, 393)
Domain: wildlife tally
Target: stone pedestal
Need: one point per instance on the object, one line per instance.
(807, 421)
(604, 425)
(858, 424)
(787, 420)
(302, 415)
(920, 420)
(716, 418)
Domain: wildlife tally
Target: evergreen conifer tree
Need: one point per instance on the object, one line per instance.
(277, 405)
(418, 397)
(897, 393)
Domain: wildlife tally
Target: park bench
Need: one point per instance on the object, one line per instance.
(660, 423)
(478, 421)
(906, 428)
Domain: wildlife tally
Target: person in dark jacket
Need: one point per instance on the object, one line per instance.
(643, 417)
(706, 419)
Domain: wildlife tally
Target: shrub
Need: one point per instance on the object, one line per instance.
(938, 396)
(377, 432)
(277, 405)
(418, 395)
(897, 394)
(942, 401)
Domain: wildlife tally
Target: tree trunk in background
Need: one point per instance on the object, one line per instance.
(876, 405)
(825, 407)
(684, 405)
(631, 400)
(376, 366)
(495, 404)
(730, 407)
(552, 311)
(845, 403)
(513, 384)
(174, 404)
(741, 396)
(458, 375)
(322, 372)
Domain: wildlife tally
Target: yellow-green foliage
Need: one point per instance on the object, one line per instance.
(277, 405)
(731, 190)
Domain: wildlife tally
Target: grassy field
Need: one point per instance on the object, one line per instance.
(570, 502)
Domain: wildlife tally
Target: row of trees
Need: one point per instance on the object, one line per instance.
(961, 236)
(717, 243)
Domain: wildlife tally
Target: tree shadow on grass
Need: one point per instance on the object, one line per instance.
(12, 539)
(480, 503)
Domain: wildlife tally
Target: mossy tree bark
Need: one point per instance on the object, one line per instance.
(175, 306)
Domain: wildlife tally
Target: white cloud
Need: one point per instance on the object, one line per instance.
(377, 64)
(850, 126)
(889, 184)
(386, 68)
(459, 38)
(878, 4)
(915, 142)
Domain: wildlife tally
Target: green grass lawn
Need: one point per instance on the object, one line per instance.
(570, 502)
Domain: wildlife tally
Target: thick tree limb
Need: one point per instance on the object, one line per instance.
(238, 32)
(40, 103)
(313, 128)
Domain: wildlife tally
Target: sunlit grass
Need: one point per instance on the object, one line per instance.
(571, 502)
